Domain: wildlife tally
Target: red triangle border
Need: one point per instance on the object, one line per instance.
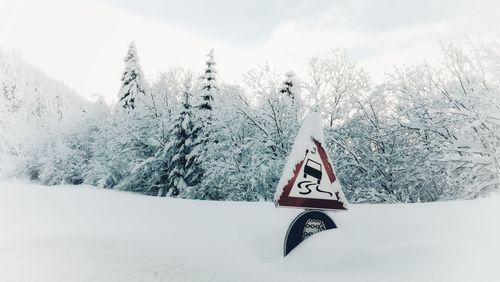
(285, 200)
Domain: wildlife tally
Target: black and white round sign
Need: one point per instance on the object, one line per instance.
(305, 225)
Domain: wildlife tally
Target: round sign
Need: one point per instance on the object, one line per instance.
(305, 225)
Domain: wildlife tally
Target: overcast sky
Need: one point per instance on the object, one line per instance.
(82, 43)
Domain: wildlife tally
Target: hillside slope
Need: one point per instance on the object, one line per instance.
(64, 233)
(33, 102)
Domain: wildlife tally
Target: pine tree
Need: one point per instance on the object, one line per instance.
(133, 84)
(290, 85)
(183, 136)
(209, 84)
(202, 134)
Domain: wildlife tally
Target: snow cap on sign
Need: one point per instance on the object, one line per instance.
(310, 128)
(310, 135)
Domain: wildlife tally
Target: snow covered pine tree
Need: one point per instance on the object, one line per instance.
(133, 85)
(289, 85)
(185, 129)
(202, 136)
(209, 83)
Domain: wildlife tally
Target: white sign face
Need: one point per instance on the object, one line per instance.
(313, 181)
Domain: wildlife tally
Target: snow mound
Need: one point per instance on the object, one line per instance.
(82, 233)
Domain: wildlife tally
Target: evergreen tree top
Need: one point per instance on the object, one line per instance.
(133, 83)
(290, 75)
(290, 85)
(187, 97)
(210, 70)
(209, 83)
(210, 55)
(132, 52)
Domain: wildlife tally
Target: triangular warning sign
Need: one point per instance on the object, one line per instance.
(308, 179)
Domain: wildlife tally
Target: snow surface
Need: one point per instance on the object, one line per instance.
(68, 233)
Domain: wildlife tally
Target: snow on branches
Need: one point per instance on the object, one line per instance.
(425, 133)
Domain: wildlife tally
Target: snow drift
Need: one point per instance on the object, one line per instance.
(65, 233)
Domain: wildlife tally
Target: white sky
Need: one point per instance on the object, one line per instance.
(82, 43)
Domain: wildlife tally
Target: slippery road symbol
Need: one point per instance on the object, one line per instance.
(312, 171)
(306, 184)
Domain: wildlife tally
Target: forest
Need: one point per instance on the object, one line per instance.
(424, 133)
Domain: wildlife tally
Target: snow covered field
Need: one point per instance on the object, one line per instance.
(79, 233)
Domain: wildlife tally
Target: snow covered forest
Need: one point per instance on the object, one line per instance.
(424, 133)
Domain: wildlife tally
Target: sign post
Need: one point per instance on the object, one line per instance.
(309, 181)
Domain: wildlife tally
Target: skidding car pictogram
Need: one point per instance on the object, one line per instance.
(313, 169)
